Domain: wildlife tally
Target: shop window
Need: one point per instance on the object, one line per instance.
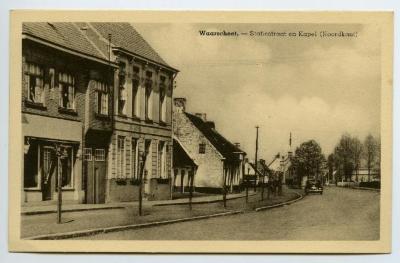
(66, 165)
(102, 98)
(31, 164)
(67, 91)
(202, 148)
(34, 83)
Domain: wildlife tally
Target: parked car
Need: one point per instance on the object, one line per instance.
(313, 186)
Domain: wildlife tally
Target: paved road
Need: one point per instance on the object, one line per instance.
(339, 214)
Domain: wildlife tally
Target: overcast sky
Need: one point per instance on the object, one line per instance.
(316, 88)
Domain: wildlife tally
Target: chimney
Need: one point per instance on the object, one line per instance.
(210, 124)
(202, 116)
(180, 104)
(237, 144)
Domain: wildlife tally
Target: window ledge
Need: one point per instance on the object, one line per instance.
(121, 115)
(67, 111)
(135, 118)
(32, 189)
(36, 105)
(147, 120)
(102, 116)
(163, 123)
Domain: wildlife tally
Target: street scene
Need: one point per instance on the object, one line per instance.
(223, 132)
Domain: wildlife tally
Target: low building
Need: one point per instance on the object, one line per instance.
(185, 168)
(220, 162)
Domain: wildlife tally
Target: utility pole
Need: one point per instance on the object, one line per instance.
(255, 160)
(61, 154)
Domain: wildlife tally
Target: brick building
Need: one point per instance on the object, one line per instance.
(61, 70)
(219, 161)
(142, 113)
(103, 94)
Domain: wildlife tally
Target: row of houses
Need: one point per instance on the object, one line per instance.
(97, 102)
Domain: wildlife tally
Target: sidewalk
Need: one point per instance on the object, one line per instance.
(46, 209)
(91, 219)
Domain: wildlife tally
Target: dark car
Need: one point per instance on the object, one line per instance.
(313, 186)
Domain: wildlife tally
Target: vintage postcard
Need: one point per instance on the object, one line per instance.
(200, 132)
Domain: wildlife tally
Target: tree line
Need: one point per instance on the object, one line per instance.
(350, 154)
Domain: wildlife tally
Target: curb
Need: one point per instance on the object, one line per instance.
(204, 202)
(90, 232)
(300, 196)
(367, 188)
(29, 213)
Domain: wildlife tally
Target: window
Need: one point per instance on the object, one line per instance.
(148, 92)
(122, 94)
(147, 147)
(202, 148)
(87, 154)
(99, 154)
(134, 158)
(161, 160)
(120, 157)
(67, 91)
(101, 98)
(135, 105)
(34, 83)
(162, 106)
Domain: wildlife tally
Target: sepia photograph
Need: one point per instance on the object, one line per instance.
(249, 132)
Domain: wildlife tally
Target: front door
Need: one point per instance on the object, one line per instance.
(95, 166)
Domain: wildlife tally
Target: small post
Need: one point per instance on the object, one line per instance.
(59, 155)
(247, 190)
(262, 187)
(59, 190)
(191, 178)
(141, 183)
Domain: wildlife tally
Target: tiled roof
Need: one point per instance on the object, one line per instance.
(66, 35)
(181, 157)
(227, 149)
(124, 36)
(92, 38)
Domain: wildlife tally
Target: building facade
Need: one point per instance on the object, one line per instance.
(57, 75)
(102, 95)
(220, 162)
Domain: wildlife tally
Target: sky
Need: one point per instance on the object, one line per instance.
(315, 88)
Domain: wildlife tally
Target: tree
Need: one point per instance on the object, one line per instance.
(308, 159)
(347, 156)
(357, 148)
(371, 153)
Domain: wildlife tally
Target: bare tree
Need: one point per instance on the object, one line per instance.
(371, 153)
